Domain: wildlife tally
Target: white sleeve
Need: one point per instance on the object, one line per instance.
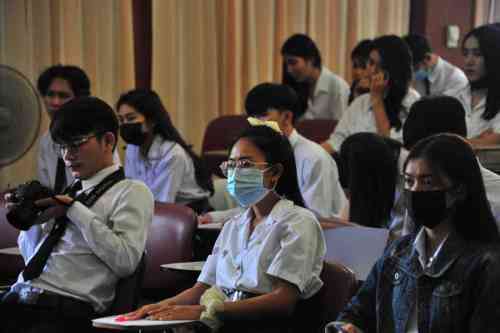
(43, 166)
(208, 273)
(121, 246)
(300, 258)
(340, 100)
(321, 189)
(343, 128)
(168, 182)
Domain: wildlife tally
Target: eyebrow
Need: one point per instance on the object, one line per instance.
(418, 176)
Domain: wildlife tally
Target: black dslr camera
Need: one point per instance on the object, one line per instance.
(25, 213)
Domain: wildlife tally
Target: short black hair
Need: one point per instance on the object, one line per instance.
(419, 47)
(434, 115)
(271, 95)
(362, 50)
(83, 116)
(301, 45)
(76, 77)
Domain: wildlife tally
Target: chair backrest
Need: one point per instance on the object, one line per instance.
(339, 285)
(317, 130)
(221, 132)
(128, 291)
(170, 240)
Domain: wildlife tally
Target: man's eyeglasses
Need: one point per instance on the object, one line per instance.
(230, 165)
(75, 144)
(60, 94)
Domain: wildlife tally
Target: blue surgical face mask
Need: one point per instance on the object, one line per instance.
(421, 74)
(246, 185)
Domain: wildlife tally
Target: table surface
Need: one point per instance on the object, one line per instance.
(211, 226)
(190, 266)
(11, 251)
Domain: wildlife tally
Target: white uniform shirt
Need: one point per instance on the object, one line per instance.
(330, 98)
(101, 244)
(359, 117)
(444, 79)
(168, 172)
(48, 154)
(318, 177)
(288, 244)
(473, 115)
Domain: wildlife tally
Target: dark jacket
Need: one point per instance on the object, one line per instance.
(459, 292)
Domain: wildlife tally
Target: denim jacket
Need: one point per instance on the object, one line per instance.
(458, 293)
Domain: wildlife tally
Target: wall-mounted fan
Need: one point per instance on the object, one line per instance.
(20, 115)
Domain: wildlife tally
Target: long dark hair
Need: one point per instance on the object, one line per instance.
(396, 61)
(300, 45)
(488, 37)
(277, 149)
(148, 103)
(370, 172)
(451, 156)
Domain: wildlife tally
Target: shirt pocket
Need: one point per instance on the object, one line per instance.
(445, 306)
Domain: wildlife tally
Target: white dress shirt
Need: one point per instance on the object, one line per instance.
(330, 97)
(168, 172)
(359, 117)
(101, 244)
(475, 123)
(48, 154)
(444, 79)
(318, 177)
(287, 244)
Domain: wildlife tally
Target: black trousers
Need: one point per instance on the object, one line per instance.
(48, 313)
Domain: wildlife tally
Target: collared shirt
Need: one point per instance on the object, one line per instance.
(420, 248)
(318, 177)
(168, 171)
(330, 97)
(287, 244)
(48, 154)
(101, 244)
(473, 115)
(359, 117)
(444, 79)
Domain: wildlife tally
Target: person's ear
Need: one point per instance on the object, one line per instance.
(276, 171)
(287, 117)
(109, 139)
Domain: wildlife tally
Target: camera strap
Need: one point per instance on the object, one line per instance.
(35, 266)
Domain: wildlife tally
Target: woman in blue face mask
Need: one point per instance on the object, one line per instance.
(266, 259)
(444, 277)
(158, 155)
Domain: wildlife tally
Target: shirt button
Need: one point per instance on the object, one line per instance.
(396, 276)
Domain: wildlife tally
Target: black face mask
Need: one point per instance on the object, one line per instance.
(132, 133)
(429, 208)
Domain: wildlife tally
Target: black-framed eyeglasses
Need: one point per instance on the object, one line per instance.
(229, 165)
(75, 144)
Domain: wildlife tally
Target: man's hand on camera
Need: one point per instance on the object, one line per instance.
(56, 207)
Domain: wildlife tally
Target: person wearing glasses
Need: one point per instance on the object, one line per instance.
(265, 259)
(444, 276)
(86, 239)
(158, 155)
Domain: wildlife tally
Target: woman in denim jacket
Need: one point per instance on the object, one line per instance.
(444, 277)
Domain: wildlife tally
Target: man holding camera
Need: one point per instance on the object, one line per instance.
(83, 241)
